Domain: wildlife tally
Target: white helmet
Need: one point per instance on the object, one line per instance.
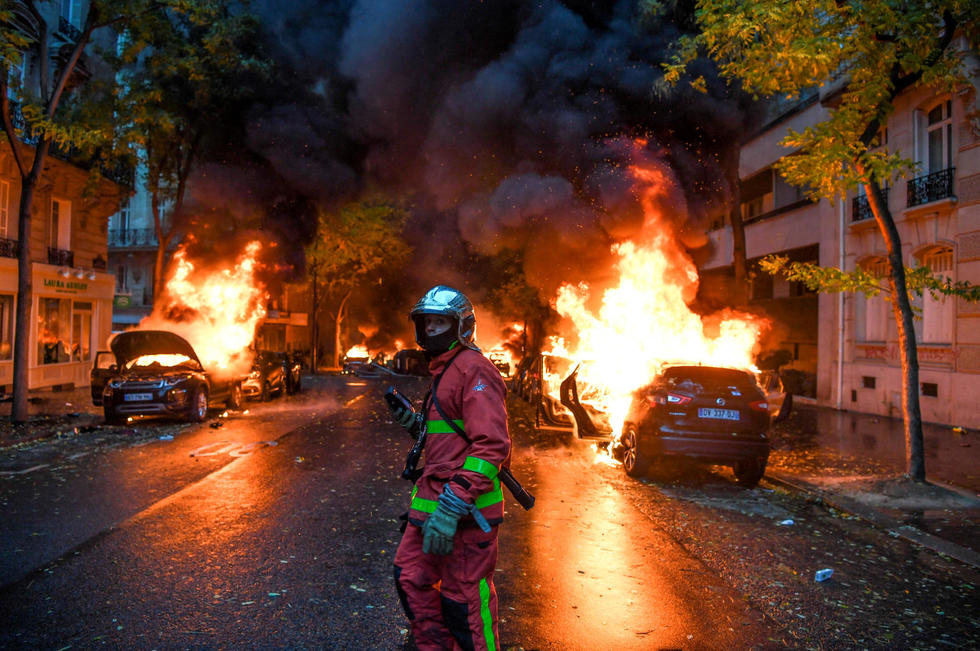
(449, 302)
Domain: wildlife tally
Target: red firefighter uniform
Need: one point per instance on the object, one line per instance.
(450, 600)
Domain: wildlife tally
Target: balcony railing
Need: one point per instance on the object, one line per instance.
(931, 187)
(123, 237)
(861, 207)
(8, 248)
(61, 257)
(69, 30)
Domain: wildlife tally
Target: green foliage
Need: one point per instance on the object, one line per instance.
(918, 280)
(879, 48)
(359, 239)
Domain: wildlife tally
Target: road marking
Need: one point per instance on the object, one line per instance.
(231, 448)
(11, 473)
(353, 400)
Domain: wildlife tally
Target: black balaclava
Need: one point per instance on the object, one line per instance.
(437, 344)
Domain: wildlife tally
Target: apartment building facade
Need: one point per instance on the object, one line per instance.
(846, 344)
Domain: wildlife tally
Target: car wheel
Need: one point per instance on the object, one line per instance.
(111, 417)
(784, 409)
(749, 472)
(635, 463)
(264, 396)
(199, 405)
(236, 398)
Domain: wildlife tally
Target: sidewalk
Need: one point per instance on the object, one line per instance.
(50, 414)
(856, 463)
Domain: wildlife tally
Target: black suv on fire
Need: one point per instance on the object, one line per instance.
(157, 373)
(708, 414)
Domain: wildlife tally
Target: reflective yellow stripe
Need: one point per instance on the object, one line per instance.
(491, 497)
(485, 468)
(442, 427)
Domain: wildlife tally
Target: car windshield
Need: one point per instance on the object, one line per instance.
(161, 361)
(706, 378)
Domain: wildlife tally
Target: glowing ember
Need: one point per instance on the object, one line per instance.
(644, 320)
(358, 351)
(216, 310)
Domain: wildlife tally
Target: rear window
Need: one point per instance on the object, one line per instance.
(707, 378)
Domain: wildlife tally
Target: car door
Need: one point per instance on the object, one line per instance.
(103, 368)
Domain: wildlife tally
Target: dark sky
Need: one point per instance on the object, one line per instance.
(504, 123)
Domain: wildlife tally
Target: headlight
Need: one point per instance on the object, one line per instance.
(254, 375)
(171, 380)
(114, 384)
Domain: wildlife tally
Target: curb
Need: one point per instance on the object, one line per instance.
(880, 520)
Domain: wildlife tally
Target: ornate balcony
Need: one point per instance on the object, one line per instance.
(61, 257)
(132, 237)
(861, 207)
(9, 248)
(69, 30)
(931, 187)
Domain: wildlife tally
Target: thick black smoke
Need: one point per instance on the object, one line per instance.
(507, 124)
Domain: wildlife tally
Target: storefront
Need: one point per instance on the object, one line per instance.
(70, 319)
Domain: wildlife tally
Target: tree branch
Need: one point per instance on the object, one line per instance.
(8, 128)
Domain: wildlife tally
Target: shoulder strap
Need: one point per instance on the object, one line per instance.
(435, 402)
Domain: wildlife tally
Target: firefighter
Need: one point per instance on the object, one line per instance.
(445, 562)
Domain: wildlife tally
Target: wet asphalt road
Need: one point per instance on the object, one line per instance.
(277, 530)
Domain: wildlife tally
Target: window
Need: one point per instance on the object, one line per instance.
(81, 331)
(937, 313)
(4, 207)
(122, 217)
(121, 284)
(53, 330)
(6, 325)
(868, 381)
(930, 389)
(60, 231)
(757, 195)
(939, 137)
(71, 10)
(872, 311)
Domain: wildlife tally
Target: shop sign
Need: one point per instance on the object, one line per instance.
(121, 300)
(65, 286)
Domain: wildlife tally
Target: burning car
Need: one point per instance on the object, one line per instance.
(157, 373)
(355, 359)
(707, 414)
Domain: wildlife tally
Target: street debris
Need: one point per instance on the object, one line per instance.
(216, 424)
(787, 523)
(822, 575)
(166, 437)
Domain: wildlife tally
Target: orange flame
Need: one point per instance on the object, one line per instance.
(216, 311)
(358, 351)
(645, 321)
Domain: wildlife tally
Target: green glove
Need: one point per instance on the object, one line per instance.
(438, 531)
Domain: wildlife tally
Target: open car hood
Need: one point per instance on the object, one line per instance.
(129, 345)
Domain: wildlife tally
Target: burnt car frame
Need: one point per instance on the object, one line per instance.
(157, 373)
(706, 414)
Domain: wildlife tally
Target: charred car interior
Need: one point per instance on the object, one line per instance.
(157, 373)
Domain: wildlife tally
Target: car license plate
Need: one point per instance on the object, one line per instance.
(722, 414)
(133, 397)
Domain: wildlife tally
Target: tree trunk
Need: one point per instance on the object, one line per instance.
(314, 339)
(338, 322)
(25, 298)
(902, 309)
(740, 294)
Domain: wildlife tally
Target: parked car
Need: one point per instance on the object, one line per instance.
(266, 378)
(353, 363)
(157, 373)
(294, 371)
(702, 413)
